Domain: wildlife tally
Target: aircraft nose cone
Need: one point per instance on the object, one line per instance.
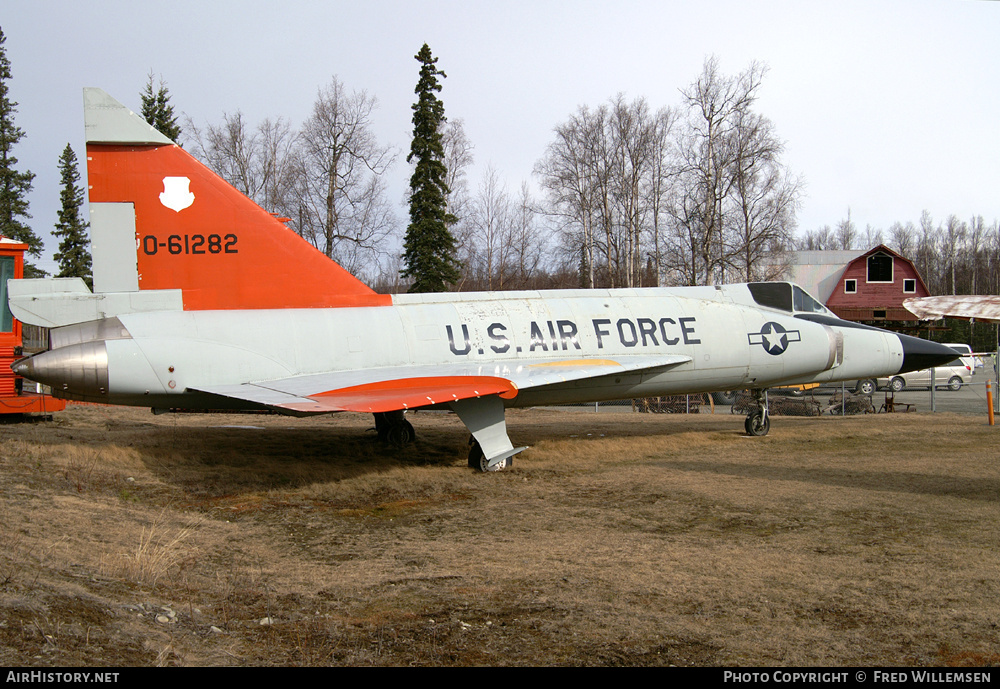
(919, 354)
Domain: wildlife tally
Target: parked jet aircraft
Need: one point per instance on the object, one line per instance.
(202, 300)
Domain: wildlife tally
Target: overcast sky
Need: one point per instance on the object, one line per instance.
(886, 107)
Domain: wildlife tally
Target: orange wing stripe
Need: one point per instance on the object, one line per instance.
(409, 393)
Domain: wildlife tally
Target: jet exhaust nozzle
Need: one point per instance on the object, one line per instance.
(80, 369)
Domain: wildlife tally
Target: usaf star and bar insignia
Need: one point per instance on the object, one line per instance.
(774, 338)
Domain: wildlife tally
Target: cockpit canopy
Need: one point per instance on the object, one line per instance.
(786, 297)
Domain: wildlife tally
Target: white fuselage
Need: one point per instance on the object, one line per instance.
(723, 335)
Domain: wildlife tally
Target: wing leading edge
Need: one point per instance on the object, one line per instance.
(410, 387)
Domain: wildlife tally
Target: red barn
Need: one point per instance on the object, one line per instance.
(874, 285)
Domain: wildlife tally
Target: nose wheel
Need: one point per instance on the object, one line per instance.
(758, 421)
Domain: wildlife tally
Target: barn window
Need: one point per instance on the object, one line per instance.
(878, 313)
(850, 286)
(880, 268)
(910, 286)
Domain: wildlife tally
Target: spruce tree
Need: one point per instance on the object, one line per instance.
(74, 252)
(157, 110)
(429, 246)
(14, 185)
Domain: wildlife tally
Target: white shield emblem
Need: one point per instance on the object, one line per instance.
(176, 195)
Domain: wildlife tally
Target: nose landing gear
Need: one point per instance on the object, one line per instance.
(758, 422)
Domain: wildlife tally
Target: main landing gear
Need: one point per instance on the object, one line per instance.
(478, 461)
(758, 422)
(490, 447)
(393, 429)
(477, 458)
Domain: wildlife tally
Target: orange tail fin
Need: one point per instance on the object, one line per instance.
(195, 232)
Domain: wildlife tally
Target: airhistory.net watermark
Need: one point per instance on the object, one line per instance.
(61, 677)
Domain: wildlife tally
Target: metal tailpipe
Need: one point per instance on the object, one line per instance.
(79, 369)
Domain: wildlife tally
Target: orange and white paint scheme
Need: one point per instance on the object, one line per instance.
(203, 300)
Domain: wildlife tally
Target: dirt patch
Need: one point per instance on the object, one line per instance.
(617, 539)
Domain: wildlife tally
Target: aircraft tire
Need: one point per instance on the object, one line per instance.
(400, 433)
(475, 455)
(477, 460)
(757, 425)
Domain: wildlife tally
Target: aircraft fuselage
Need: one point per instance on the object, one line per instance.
(163, 359)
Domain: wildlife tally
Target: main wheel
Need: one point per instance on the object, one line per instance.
(897, 384)
(399, 433)
(757, 424)
(477, 460)
(955, 384)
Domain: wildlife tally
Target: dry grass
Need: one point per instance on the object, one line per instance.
(160, 551)
(616, 539)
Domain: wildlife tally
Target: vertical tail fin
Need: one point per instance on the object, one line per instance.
(187, 229)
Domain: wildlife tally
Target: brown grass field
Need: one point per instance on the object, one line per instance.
(128, 539)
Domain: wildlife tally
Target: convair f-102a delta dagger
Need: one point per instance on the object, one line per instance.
(203, 300)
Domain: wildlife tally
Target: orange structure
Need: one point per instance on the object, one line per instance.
(13, 398)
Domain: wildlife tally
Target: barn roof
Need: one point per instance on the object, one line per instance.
(819, 272)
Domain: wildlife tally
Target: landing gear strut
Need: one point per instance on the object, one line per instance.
(393, 429)
(758, 421)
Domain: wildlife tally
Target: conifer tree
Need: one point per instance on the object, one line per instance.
(157, 110)
(74, 251)
(429, 246)
(14, 185)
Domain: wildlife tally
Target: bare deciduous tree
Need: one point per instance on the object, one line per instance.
(761, 220)
(505, 249)
(529, 245)
(490, 224)
(709, 156)
(606, 179)
(343, 207)
(847, 233)
(902, 238)
(568, 176)
(873, 237)
(458, 159)
(327, 179)
(259, 162)
(975, 236)
(952, 240)
(927, 247)
(658, 184)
